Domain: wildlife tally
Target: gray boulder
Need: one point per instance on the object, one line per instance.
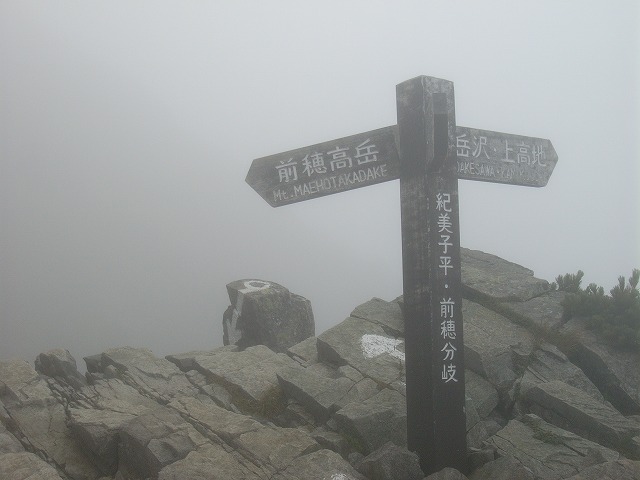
(503, 468)
(186, 361)
(61, 365)
(476, 429)
(8, 442)
(114, 395)
(305, 352)
(483, 394)
(97, 432)
(26, 466)
(391, 462)
(20, 385)
(495, 348)
(386, 314)
(621, 469)
(154, 440)
(274, 448)
(209, 462)
(322, 395)
(265, 313)
(250, 375)
(548, 451)
(365, 346)
(578, 412)
(319, 394)
(320, 465)
(543, 312)
(487, 277)
(332, 441)
(548, 364)
(156, 377)
(614, 372)
(370, 424)
(39, 421)
(213, 421)
(447, 473)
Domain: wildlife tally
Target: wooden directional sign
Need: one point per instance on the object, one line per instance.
(372, 157)
(326, 168)
(428, 153)
(432, 294)
(503, 158)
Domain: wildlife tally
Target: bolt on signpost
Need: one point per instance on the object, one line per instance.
(428, 153)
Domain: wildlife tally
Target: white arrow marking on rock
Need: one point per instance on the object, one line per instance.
(376, 345)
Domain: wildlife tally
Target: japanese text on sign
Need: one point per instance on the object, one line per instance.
(448, 330)
(331, 161)
(521, 153)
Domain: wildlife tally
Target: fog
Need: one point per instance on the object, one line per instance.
(127, 129)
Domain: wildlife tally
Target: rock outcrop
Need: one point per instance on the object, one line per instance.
(331, 406)
(265, 313)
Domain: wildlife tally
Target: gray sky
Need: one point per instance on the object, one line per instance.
(127, 129)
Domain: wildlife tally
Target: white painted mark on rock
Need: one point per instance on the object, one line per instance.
(233, 332)
(376, 345)
(340, 476)
(254, 286)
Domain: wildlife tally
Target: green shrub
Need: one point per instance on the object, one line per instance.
(568, 282)
(614, 317)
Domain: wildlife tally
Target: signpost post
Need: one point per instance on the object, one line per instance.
(428, 153)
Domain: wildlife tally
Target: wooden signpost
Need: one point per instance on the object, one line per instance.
(428, 153)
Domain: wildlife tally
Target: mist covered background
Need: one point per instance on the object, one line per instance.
(127, 129)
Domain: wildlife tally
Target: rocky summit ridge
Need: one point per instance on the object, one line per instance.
(332, 406)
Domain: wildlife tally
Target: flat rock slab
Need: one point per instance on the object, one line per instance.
(26, 466)
(275, 448)
(97, 432)
(483, 394)
(543, 312)
(448, 473)
(249, 374)
(23, 385)
(548, 451)
(209, 462)
(503, 468)
(495, 348)
(215, 420)
(622, 469)
(39, 420)
(185, 361)
(46, 430)
(61, 365)
(370, 424)
(154, 440)
(615, 372)
(489, 277)
(548, 364)
(157, 377)
(391, 462)
(386, 314)
(366, 347)
(306, 351)
(8, 442)
(116, 396)
(320, 465)
(576, 411)
(319, 394)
